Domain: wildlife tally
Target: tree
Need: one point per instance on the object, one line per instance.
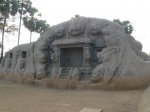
(30, 24)
(41, 26)
(24, 7)
(35, 25)
(30, 21)
(7, 8)
(126, 24)
(1, 23)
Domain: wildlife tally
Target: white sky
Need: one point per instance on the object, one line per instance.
(57, 11)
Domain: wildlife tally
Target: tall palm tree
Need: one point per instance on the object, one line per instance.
(24, 7)
(35, 25)
(29, 23)
(7, 7)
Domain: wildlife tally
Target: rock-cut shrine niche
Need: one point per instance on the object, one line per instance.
(10, 55)
(23, 54)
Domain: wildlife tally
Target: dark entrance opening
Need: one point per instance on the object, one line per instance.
(11, 55)
(24, 54)
(71, 57)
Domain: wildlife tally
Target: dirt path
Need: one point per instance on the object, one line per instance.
(21, 98)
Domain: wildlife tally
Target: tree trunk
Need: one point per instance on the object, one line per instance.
(30, 36)
(20, 25)
(3, 31)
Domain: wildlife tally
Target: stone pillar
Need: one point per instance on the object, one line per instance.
(86, 56)
(55, 57)
(14, 59)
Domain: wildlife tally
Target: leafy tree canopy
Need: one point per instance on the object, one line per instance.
(126, 24)
(35, 25)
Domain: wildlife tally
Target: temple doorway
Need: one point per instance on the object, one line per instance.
(71, 57)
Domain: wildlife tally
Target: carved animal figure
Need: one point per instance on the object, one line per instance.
(40, 71)
(76, 74)
(7, 66)
(108, 66)
(87, 57)
(20, 66)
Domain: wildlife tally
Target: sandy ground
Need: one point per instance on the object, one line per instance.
(23, 98)
(144, 105)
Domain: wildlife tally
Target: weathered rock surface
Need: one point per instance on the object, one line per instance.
(84, 49)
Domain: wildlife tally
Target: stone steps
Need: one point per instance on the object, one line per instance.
(86, 75)
(65, 73)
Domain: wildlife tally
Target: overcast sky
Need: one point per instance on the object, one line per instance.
(136, 11)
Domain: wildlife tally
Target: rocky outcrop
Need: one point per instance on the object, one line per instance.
(92, 49)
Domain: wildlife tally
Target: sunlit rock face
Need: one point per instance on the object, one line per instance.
(96, 52)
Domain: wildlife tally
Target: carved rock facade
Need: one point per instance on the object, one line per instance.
(84, 52)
